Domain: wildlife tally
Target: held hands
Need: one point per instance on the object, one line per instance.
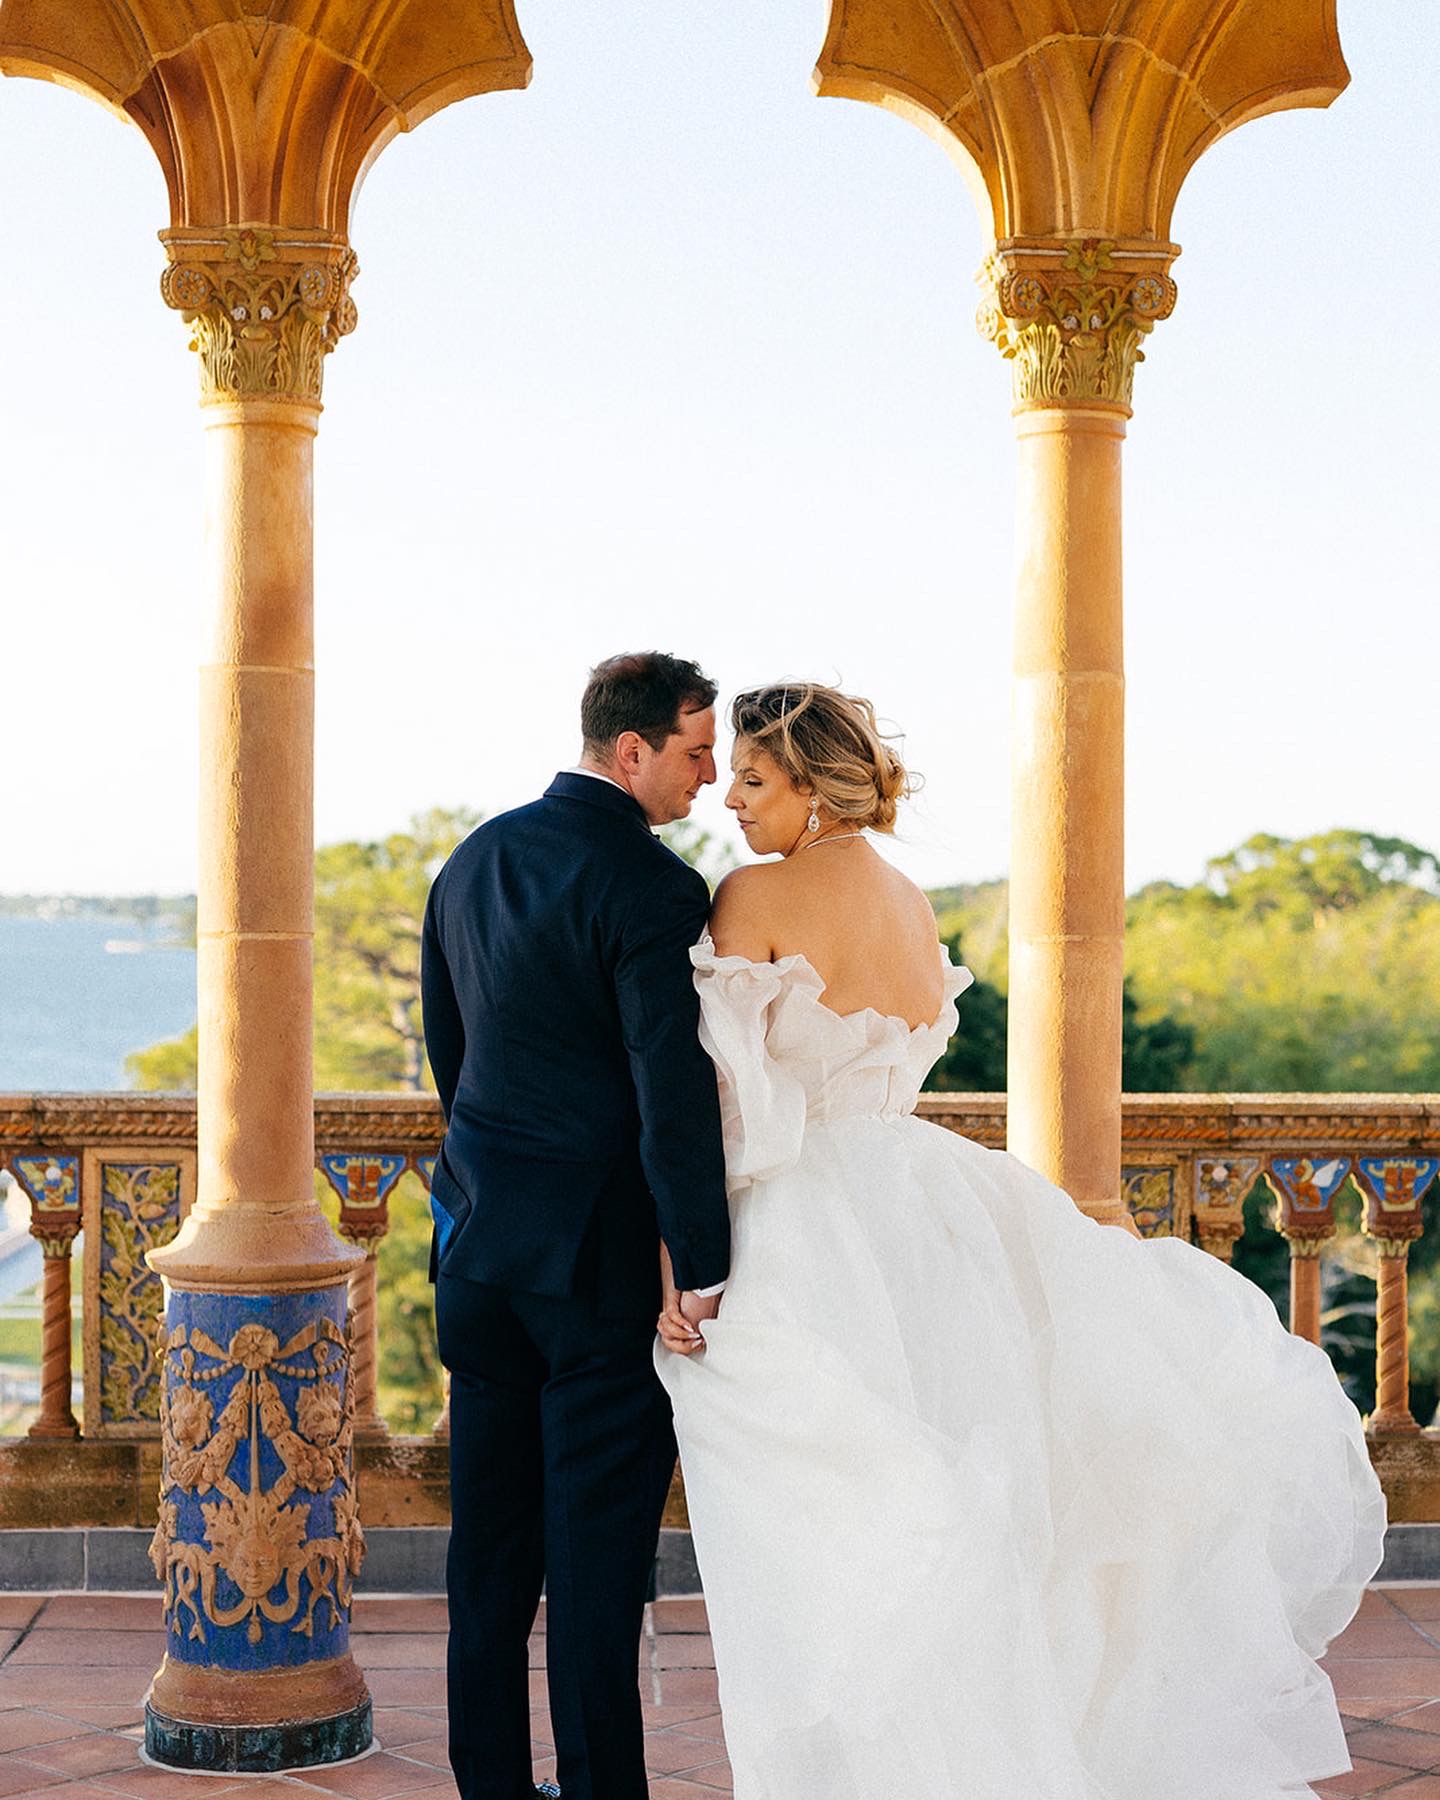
(682, 1312)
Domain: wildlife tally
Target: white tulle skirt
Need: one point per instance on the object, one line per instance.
(993, 1503)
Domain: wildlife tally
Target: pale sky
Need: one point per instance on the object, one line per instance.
(664, 351)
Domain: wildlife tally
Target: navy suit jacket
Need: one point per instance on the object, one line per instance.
(561, 1020)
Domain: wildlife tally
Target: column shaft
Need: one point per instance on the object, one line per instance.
(365, 1351)
(1392, 1345)
(256, 1226)
(1305, 1289)
(1067, 890)
(55, 1418)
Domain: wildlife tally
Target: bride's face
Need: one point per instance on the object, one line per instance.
(771, 810)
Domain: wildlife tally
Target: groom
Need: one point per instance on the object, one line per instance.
(583, 1126)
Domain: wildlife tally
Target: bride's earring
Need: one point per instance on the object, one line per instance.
(813, 822)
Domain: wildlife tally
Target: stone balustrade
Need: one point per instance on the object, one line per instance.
(115, 1173)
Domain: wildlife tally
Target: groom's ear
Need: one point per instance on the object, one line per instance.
(627, 750)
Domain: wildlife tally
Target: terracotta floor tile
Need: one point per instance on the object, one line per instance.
(1366, 1778)
(18, 1775)
(92, 1754)
(90, 1649)
(17, 1610)
(669, 1753)
(399, 1612)
(146, 1782)
(397, 1726)
(1384, 1637)
(1424, 1787)
(1421, 1718)
(685, 1684)
(657, 1717)
(398, 1687)
(23, 1727)
(1417, 1602)
(410, 1649)
(696, 1653)
(713, 1775)
(446, 1790)
(1384, 1708)
(680, 1789)
(251, 1787)
(680, 1615)
(704, 1731)
(1393, 1744)
(92, 1790)
(1360, 1678)
(104, 1612)
(104, 1716)
(373, 1777)
(433, 1752)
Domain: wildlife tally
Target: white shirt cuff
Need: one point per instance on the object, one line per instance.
(710, 1292)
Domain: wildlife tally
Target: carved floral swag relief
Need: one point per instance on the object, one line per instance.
(256, 1535)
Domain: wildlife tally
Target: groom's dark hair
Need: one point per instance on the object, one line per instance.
(644, 691)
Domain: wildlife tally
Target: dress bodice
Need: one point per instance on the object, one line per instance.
(786, 1060)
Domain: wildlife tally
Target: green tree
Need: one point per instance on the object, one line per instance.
(1154, 1055)
(369, 909)
(1307, 965)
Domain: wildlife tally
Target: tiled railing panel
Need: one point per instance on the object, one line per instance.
(118, 1171)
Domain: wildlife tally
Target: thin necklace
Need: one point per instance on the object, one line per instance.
(840, 837)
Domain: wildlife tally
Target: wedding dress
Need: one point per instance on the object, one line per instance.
(991, 1502)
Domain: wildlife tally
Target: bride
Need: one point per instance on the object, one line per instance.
(990, 1502)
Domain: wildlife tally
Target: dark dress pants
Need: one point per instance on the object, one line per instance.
(561, 1449)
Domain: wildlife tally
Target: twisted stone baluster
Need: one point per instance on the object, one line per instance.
(1392, 1338)
(55, 1419)
(365, 1340)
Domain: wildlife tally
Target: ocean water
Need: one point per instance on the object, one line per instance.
(70, 1011)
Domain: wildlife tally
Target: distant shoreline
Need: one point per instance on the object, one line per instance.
(167, 919)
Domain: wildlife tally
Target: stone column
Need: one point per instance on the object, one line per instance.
(1070, 318)
(258, 1541)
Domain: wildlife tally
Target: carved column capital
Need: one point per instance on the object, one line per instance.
(1070, 316)
(265, 305)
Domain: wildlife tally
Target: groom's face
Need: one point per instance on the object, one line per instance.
(666, 781)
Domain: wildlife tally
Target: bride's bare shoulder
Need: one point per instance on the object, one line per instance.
(742, 915)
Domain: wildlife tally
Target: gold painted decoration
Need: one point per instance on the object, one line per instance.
(265, 307)
(1149, 1196)
(139, 1211)
(1070, 318)
(135, 1198)
(252, 1452)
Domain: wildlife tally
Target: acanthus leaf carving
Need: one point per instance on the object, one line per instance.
(1070, 317)
(265, 308)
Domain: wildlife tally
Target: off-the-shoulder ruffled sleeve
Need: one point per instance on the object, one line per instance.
(762, 1105)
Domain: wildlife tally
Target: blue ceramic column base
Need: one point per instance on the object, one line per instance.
(259, 1538)
(257, 1749)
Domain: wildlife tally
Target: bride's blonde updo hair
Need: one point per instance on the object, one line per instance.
(828, 742)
